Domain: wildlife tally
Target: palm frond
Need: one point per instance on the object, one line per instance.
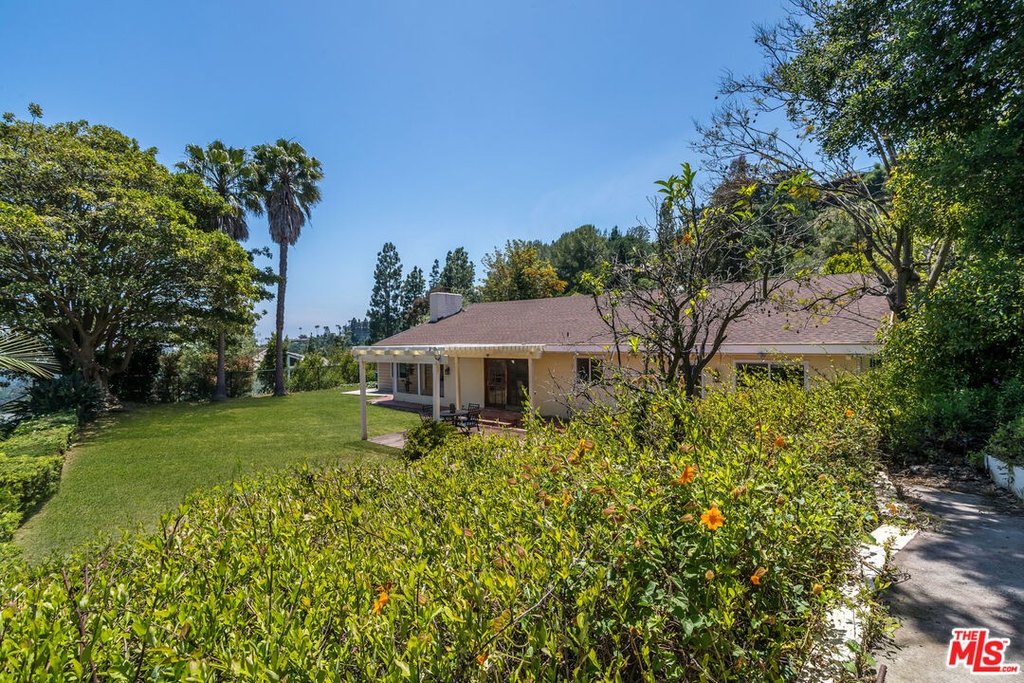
(23, 354)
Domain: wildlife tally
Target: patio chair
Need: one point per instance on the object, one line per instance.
(470, 422)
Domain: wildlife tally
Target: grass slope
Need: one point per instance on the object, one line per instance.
(135, 467)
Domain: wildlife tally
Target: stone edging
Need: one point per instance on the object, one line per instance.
(850, 620)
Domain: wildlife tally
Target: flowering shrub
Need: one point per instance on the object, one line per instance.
(664, 540)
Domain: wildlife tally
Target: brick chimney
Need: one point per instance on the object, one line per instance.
(443, 305)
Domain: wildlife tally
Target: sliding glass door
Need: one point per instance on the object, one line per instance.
(507, 382)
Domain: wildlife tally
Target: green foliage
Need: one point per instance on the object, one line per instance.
(316, 371)
(577, 252)
(98, 252)
(952, 372)
(458, 275)
(31, 458)
(189, 373)
(30, 479)
(67, 392)
(1007, 443)
(47, 435)
(577, 555)
(414, 292)
(518, 272)
(426, 437)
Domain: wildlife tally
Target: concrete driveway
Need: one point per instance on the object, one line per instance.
(965, 569)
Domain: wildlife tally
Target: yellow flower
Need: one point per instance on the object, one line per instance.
(382, 600)
(755, 578)
(687, 476)
(849, 412)
(816, 589)
(712, 518)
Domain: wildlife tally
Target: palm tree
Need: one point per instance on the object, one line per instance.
(226, 171)
(286, 179)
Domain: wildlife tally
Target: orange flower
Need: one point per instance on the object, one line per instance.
(779, 442)
(481, 659)
(712, 518)
(382, 600)
(849, 412)
(688, 474)
(755, 578)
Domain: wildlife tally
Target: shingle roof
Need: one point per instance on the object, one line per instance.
(574, 321)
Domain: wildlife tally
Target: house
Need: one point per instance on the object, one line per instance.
(504, 353)
(291, 358)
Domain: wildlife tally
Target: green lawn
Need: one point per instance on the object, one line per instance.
(134, 467)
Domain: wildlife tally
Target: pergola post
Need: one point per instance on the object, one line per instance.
(362, 400)
(529, 380)
(435, 368)
(458, 383)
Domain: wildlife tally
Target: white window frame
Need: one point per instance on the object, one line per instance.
(589, 380)
(805, 366)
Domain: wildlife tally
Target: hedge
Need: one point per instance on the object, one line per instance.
(664, 540)
(41, 436)
(31, 459)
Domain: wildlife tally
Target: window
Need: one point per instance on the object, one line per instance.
(408, 381)
(412, 375)
(590, 370)
(787, 373)
(428, 379)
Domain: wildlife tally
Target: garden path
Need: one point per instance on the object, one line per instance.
(965, 569)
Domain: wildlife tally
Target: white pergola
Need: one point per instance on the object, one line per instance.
(438, 355)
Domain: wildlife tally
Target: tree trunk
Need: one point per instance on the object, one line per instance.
(282, 273)
(222, 389)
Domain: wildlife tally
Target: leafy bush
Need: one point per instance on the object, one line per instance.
(30, 479)
(190, 374)
(666, 540)
(426, 437)
(68, 392)
(1007, 443)
(951, 374)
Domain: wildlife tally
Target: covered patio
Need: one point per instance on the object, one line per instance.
(440, 372)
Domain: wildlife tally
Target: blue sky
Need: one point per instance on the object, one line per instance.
(438, 124)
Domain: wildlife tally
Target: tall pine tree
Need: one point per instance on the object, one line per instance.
(458, 274)
(385, 312)
(414, 297)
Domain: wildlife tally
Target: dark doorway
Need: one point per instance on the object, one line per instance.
(508, 382)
